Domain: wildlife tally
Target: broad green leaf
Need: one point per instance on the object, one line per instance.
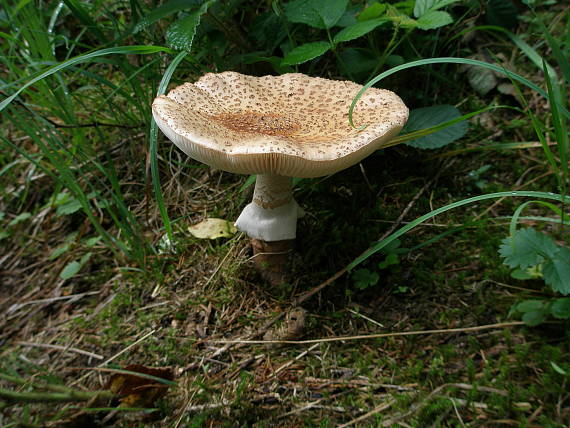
(164, 10)
(561, 308)
(530, 306)
(434, 19)
(321, 14)
(305, 53)
(375, 10)
(358, 30)
(556, 271)
(391, 259)
(363, 278)
(213, 228)
(180, 35)
(527, 248)
(426, 117)
(423, 6)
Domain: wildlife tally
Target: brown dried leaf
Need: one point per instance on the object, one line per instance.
(137, 391)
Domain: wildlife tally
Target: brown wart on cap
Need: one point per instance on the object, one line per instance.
(277, 127)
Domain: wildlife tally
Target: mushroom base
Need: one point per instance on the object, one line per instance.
(271, 259)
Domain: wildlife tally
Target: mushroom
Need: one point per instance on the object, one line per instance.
(277, 127)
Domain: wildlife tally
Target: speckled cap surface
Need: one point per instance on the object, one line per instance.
(291, 125)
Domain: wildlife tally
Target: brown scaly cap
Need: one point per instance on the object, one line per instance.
(291, 125)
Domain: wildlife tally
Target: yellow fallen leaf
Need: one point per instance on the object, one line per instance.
(213, 228)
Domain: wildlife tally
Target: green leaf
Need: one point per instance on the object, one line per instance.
(363, 278)
(321, 14)
(375, 10)
(19, 218)
(556, 271)
(534, 318)
(69, 207)
(164, 10)
(521, 274)
(530, 306)
(72, 268)
(426, 117)
(558, 369)
(423, 6)
(561, 308)
(358, 30)
(180, 35)
(59, 251)
(305, 53)
(527, 248)
(391, 259)
(434, 19)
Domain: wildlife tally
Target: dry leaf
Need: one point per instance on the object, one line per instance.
(137, 391)
(213, 228)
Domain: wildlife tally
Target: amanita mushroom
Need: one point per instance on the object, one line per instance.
(277, 127)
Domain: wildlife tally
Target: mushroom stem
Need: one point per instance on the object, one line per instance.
(270, 220)
(273, 213)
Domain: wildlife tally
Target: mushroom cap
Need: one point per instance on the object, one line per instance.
(291, 125)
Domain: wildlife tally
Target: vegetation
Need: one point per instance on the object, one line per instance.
(434, 276)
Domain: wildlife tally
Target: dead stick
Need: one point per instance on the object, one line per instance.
(377, 336)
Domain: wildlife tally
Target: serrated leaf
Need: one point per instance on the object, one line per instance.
(561, 308)
(180, 35)
(527, 248)
(305, 53)
(363, 278)
(163, 11)
(426, 117)
(322, 14)
(358, 30)
(434, 19)
(423, 6)
(375, 10)
(213, 228)
(556, 271)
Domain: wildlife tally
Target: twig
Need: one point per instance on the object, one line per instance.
(375, 336)
(116, 356)
(62, 348)
(378, 409)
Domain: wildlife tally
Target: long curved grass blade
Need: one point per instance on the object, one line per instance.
(132, 50)
(381, 244)
(154, 148)
(448, 60)
(519, 210)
